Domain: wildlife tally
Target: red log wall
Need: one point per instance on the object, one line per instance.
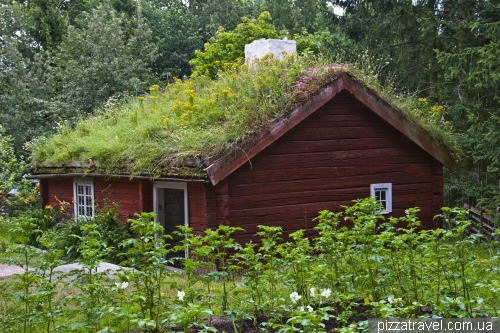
(132, 196)
(326, 161)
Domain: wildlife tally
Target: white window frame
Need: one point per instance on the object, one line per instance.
(88, 184)
(387, 187)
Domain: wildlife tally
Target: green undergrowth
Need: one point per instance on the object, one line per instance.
(378, 268)
(198, 120)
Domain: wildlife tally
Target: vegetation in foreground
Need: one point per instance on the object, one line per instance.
(377, 268)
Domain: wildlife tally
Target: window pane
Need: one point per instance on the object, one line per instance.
(381, 196)
(84, 201)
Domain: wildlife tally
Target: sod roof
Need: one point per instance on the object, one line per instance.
(203, 128)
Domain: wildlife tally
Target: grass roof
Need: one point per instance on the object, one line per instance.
(183, 127)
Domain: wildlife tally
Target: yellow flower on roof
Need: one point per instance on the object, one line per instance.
(436, 109)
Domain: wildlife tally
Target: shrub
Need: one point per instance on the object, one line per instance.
(107, 226)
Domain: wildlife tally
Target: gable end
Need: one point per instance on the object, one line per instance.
(223, 167)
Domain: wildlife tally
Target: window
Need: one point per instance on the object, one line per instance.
(383, 195)
(83, 192)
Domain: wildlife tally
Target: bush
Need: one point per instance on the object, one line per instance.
(34, 223)
(108, 227)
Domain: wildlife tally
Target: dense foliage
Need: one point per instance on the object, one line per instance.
(378, 268)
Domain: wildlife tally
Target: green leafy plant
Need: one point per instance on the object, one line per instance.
(146, 253)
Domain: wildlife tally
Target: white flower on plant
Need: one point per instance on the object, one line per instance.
(313, 292)
(389, 299)
(326, 293)
(180, 295)
(309, 308)
(295, 297)
(122, 285)
(407, 212)
(301, 308)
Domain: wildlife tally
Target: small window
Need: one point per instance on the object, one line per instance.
(84, 197)
(383, 195)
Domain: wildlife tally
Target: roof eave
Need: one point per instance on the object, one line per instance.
(75, 169)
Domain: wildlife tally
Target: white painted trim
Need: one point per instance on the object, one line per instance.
(175, 185)
(85, 181)
(388, 187)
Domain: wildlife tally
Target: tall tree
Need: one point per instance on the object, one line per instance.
(101, 60)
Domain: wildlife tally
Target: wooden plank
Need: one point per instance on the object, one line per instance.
(355, 124)
(311, 146)
(325, 183)
(364, 158)
(272, 176)
(308, 133)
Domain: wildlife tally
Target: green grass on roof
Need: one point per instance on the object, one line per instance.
(197, 118)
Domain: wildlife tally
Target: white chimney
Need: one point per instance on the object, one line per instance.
(280, 48)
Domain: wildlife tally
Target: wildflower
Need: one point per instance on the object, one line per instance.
(295, 297)
(313, 292)
(48, 207)
(309, 308)
(122, 285)
(389, 299)
(301, 308)
(141, 98)
(180, 295)
(326, 293)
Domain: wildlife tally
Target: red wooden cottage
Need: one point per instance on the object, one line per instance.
(344, 143)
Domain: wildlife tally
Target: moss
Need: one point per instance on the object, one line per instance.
(202, 120)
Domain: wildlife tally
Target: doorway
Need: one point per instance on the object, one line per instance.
(171, 208)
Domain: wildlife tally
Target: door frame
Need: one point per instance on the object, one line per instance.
(174, 185)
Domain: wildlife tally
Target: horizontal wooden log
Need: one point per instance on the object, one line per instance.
(311, 146)
(325, 183)
(340, 133)
(271, 176)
